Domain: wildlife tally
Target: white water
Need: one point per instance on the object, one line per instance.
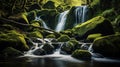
(80, 14)
(39, 19)
(61, 21)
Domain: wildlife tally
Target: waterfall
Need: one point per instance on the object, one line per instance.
(39, 19)
(61, 21)
(80, 14)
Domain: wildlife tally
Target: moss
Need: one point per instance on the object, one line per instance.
(50, 36)
(95, 25)
(25, 17)
(13, 39)
(67, 32)
(31, 15)
(109, 14)
(35, 34)
(63, 38)
(92, 37)
(11, 52)
(108, 45)
(67, 47)
(81, 54)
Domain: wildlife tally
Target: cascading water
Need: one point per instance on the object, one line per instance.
(61, 21)
(80, 14)
(39, 19)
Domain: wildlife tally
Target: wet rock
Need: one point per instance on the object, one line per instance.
(81, 54)
(39, 52)
(108, 46)
(67, 48)
(96, 25)
(48, 48)
(63, 38)
(11, 52)
(50, 36)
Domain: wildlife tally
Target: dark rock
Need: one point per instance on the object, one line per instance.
(11, 52)
(48, 48)
(49, 5)
(39, 52)
(63, 38)
(108, 46)
(81, 54)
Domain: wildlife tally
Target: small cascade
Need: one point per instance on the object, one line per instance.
(80, 14)
(61, 21)
(39, 19)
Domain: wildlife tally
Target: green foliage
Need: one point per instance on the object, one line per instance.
(81, 54)
(63, 38)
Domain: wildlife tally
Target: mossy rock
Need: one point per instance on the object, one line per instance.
(67, 32)
(35, 34)
(29, 16)
(50, 36)
(34, 7)
(108, 46)
(109, 14)
(11, 52)
(63, 38)
(92, 37)
(13, 39)
(67, 48)
(81, 54)
(48, 48)
(49, 5)
(96, 25)
(117, 24)
(39, 52)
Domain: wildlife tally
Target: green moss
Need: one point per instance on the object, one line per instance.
(63, 38)
(25, 17)
(92, 37)
(108, 45)
(96, 25)
(13, 39)
(31, 15)
(35, 34)
(81, 54)
(68, 47)
(109, 14)
(50, 36)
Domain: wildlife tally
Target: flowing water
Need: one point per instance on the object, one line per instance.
(59, 60)
(44, 24)
(61, 21)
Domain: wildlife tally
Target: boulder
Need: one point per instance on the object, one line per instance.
(13, 39)
(11, 52)
(35, 6)
(35, 34)
(50, 36)
(63, 38)
(96, 25)
(67, 48)
(81, 54)
(48, 48)
(108, 46)
(92, 37)
(39, 52)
